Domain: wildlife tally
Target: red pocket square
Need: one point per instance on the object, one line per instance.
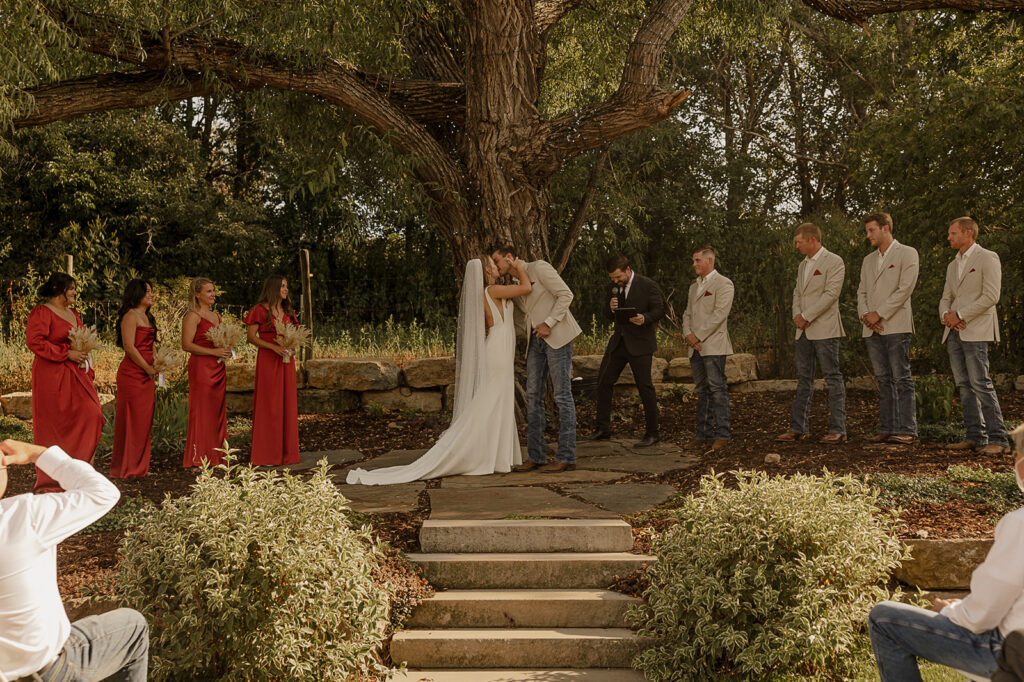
(972, 270)
(707, 293)
(816, 272)
(891, 266)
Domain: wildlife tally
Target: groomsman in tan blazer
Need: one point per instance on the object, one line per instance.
(819, 280)
(887, 280)
(706, 331)
(968, 310)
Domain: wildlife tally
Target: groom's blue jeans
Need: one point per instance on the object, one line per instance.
(542, 360)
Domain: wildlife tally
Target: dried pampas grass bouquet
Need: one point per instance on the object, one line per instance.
(291, 337)
(224, 335)
(85, 340)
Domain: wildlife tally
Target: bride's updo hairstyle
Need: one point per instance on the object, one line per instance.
(57, 284)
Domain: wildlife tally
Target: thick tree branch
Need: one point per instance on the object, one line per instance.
(547, 13)
(572, 235)
(107, 92)
(858, 11)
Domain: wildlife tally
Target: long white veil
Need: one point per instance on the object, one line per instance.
(469, 341)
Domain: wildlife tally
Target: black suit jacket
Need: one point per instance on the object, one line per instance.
(645, 296)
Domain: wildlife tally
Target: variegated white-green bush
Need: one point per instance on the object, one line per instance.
(255, 576)
(772, 579)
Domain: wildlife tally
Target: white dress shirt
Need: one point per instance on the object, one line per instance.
(997, 586)
(33, 624)
(625, 293)
(883, 254)
(811, 260)
(704, 282)
(961, 259)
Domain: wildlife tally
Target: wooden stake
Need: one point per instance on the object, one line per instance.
(307, 300)
(69, 264)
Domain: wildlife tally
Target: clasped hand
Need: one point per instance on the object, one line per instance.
(873, 321)
(953, 321)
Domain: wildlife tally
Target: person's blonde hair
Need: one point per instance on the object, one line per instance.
(967, 224)
(808, 230)
(194, 288)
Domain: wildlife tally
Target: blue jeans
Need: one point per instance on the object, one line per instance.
(541, 360)
(900, 634)
(712, 396)
(827, 353)
(897, 403)
(111, 646)
(982, 416)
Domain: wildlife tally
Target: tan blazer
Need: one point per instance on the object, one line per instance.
(548, 302)
(707, 316)
(886, 290)
(974, 296)
(817, 296)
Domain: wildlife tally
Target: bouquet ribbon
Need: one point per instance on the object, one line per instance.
(160, 380)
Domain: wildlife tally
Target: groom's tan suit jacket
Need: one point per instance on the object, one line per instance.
(885, 288)
(548, 302)
(974, 295)
(707, 315)
(816, 295)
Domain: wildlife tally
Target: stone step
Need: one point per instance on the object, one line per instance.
(523, 608)
(546, 570)
(577, 675)
(516, 648)
(531, 535)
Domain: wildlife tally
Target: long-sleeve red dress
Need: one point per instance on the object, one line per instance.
(65, 406)
(207, 416)
(275, 413)
(133, 421)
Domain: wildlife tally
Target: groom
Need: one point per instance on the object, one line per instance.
(544, 315)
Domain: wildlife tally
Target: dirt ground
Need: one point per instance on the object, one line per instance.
(756, 419)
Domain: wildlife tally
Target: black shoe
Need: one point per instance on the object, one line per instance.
(599, 435)
(648, 441)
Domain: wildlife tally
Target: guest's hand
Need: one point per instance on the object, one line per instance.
(951, 319)
(692, 341)
(960, 326)
(939, 604)
(221, 353)
(282, 351)
(637, 319)
(800, 322)
(542, 331)
(76, 356)
(150, 370)
(19, 452)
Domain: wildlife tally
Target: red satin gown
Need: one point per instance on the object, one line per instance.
(133, 422)
(65, 407)
(207, 418)
(275, 412)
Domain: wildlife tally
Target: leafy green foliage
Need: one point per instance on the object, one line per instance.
(124, 515)
(12, 427)
(934, 398)
(771, 579)
(996, 491)
(271, 560)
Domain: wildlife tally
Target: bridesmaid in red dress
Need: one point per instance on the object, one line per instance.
(275, 414)
(136, 382)
(65, 407)
(207, 379)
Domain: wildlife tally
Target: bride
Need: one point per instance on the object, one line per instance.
(482, 437)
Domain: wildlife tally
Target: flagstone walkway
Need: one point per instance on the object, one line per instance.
(594, 490)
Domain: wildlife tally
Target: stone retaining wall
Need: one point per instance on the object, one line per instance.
(331, 385)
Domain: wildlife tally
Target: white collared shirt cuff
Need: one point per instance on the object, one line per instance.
(551, 322)
(52, 458)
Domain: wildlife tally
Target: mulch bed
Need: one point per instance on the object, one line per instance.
(756, 419)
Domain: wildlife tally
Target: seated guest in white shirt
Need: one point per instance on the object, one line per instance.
(37, 642)
(964, 634)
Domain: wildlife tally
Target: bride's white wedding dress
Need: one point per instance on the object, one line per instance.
(482, 437)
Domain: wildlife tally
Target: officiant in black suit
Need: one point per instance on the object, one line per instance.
(635, 303)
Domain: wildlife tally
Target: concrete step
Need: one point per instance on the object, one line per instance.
(578, 675)
(523, 609)
(516, 648)
(533, 535)
(547, 570)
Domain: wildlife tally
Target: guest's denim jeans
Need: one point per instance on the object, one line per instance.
(827, 353)
(897, 403)
(982, 416)
(111, 646)
(900, 634)
(542, 360)
(712, 396)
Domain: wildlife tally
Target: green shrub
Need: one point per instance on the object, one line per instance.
(934, 398)
(12, 427)
(256, 576)
(767, 581)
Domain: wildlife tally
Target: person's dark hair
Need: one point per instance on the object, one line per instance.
(706, 249)
(272, 292)
(503, 248)
(57, 284)
(616, 262)
(883, 219)
(133, 294)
